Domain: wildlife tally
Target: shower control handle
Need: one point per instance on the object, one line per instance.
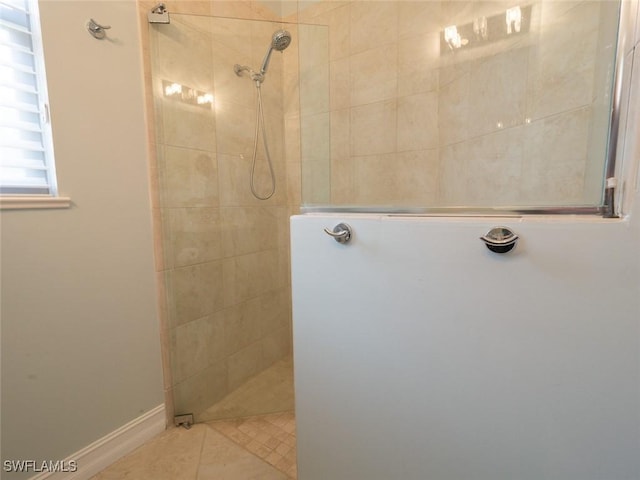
(341, 233)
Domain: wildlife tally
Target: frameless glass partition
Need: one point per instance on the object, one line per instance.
(456, 103)
(225, 253)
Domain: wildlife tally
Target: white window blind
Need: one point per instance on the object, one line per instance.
(26, 149)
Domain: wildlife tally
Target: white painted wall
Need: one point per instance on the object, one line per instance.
(80, 336)
(420, 354)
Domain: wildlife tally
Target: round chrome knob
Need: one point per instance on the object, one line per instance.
(500, 239)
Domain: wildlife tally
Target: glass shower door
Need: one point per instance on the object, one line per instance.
(224, 253)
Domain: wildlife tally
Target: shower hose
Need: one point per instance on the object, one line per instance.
(260, 126)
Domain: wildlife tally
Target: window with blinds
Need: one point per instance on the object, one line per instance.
(26, 148)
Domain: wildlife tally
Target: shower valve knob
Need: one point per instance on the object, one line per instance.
(341, 233)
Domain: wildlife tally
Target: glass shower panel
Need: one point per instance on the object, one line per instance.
(315, 114)
(456, 103)
(225, 253)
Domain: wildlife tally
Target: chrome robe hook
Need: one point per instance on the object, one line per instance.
(97, 30)
(341, 233)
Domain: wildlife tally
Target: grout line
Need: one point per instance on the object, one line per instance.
(204, 437)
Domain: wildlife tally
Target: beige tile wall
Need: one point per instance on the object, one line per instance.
(504, 124)
(222, 254)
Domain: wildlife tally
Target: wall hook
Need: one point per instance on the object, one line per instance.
(500, 239)
(97, 30)
(341, 233)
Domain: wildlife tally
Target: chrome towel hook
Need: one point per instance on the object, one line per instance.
(341, 233)
(97, 30)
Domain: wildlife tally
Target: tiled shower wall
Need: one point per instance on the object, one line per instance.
(507, 123)
(222, 255)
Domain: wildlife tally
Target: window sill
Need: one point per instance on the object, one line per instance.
(33, 202)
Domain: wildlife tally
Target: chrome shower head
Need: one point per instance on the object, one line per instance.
(280, 40)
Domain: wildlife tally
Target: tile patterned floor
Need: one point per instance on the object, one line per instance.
(253, 448)
(270, 437)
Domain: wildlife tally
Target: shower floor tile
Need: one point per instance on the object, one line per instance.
(260, 448)
(270, 437)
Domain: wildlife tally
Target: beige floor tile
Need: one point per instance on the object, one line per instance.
(273, 458)
(224, 460)
(240, 438)
(271, 439)
(243, 447)
(293, 471)
(272, 443)
(204, 453)
(172, 455)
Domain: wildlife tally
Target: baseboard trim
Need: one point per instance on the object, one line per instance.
(105, 451)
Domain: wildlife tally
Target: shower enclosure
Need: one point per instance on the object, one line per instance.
(390, 107)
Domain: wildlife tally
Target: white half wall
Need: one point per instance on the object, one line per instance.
(419, 354)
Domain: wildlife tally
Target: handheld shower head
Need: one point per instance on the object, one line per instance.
(280, 40)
